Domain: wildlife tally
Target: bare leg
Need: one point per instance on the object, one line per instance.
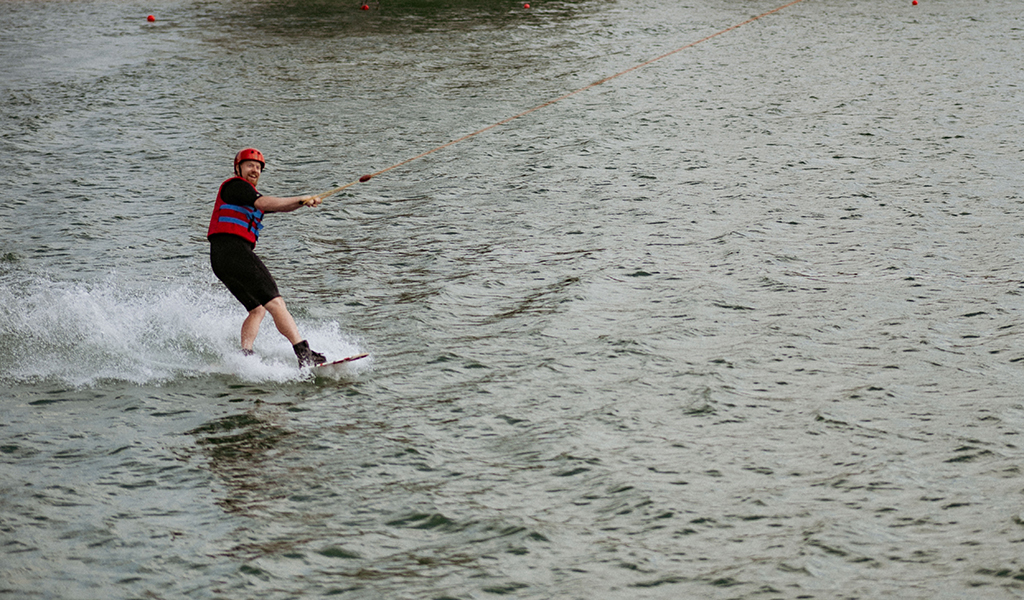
(286, 325)
(283, 320)
(251, 326)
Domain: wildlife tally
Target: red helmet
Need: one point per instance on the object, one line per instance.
(249, 154)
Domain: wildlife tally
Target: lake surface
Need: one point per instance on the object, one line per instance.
(742, 323)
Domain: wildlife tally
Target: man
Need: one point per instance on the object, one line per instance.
(234, 228)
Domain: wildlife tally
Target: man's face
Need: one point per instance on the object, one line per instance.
(250, 171)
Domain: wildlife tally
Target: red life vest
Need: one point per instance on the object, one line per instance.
(243, 221)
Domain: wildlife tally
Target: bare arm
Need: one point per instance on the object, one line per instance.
(269, 204)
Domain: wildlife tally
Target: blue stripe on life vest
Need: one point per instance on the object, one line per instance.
(238, 222)
(242, 209)
(245, 210)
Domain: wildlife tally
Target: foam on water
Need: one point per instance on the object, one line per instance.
(81, 333)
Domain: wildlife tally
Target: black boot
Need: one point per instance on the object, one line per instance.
(307, 358)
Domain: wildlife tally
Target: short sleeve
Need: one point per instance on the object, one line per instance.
(239, 193)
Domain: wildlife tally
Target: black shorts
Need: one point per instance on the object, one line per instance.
(245, 275)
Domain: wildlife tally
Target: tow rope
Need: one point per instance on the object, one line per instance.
(369, 176)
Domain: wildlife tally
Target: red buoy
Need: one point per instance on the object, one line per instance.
(151, 18)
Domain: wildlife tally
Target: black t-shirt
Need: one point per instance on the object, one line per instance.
(239, 193)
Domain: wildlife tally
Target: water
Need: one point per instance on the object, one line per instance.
(743, 323)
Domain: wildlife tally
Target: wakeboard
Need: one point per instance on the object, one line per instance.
(336, 367)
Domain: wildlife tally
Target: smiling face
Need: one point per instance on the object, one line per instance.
(250, 171)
